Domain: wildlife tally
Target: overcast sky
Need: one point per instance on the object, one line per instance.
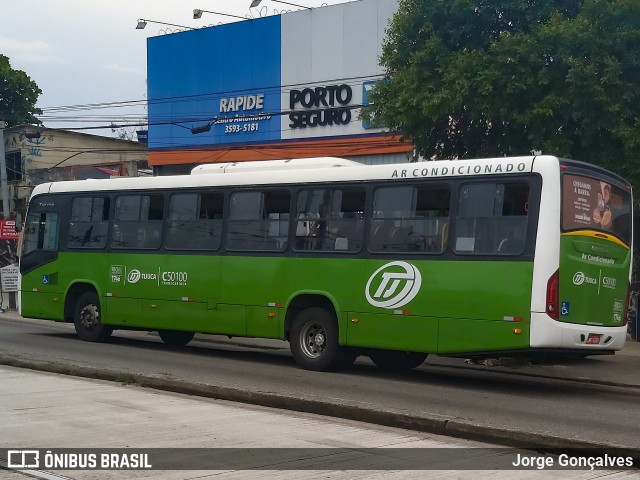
(88, 51)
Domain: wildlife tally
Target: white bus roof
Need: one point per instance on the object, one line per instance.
(264, 166)
(318, 170)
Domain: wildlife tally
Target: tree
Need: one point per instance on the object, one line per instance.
(123, 132)
(18, 95)
(506, 77)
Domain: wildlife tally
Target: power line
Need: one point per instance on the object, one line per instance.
(199, 96)
(138, 119)
(208, 119)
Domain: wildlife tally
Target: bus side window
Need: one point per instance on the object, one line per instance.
(89, 223)
(410, 219)
(258, 221)
(492, 218)
(195, 221)
(138, 222)
(332, 218)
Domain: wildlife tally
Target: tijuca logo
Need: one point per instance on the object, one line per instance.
(393, 285)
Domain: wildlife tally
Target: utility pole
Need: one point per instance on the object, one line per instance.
(4, 186)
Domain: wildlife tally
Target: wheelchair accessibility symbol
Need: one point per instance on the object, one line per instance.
(564, 311)
(45, 279)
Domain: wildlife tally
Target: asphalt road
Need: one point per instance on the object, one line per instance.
(583, 411)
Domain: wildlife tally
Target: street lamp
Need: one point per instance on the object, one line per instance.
(197, 13)
(255, 3)
(201, 129)
(142, 22)
(197, 129)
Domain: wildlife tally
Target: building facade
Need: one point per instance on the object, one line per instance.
(282, 86)
(37, 154)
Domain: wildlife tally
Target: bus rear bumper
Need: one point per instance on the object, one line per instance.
(549, 333)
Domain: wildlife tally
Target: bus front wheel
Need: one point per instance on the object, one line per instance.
(314, 341)
(175, 338)
(397, 360)
(86, 319)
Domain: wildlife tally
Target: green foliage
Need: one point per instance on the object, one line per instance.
(505, 77)
(18, 96)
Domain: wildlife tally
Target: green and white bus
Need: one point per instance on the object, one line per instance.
(526, 256)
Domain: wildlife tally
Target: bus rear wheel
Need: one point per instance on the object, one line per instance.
(86, 319)
(314, 341)
(397, 360)
(175, 338)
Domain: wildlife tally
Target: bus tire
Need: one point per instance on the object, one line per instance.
(86, 319)
(397, 360)
(175, 338)
(314, 341)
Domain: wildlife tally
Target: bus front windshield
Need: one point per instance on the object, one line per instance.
(594, 204)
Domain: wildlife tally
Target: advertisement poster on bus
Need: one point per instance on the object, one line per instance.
(590, 203)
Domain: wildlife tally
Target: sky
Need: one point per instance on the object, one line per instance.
(86, 52)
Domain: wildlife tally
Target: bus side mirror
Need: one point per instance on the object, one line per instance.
(18, 225)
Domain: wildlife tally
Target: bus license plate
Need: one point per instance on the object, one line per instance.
(594, 339)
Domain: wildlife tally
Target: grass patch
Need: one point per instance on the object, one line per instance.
(127, 379)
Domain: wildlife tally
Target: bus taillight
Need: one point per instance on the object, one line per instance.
(553, 296)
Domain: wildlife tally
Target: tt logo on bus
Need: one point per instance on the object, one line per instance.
(395, 285)
(579, 278)
(134, 276)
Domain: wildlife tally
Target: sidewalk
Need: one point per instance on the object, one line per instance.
(51, 411)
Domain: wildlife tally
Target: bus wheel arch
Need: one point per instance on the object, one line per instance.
(86, 315)
(302, 302)
(312, 328)
(74, 292)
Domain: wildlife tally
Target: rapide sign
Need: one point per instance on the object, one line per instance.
(242, 103)
(328, 105)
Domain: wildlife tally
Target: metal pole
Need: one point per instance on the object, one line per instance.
(4, 186)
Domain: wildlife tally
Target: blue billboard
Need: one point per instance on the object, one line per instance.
(226, 77)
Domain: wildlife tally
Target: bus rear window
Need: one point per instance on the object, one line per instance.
(588, 203)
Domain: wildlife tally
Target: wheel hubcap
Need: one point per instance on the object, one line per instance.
(89, 317)
(313, 340)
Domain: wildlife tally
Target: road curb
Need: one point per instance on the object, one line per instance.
(429, 424)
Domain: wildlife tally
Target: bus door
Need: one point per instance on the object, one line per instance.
(252, 294)
(40, 259)
(175, 288)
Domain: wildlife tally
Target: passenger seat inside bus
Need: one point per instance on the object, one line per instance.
(341, 233)
(444, 236)
(400, 237)
(380, 235)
